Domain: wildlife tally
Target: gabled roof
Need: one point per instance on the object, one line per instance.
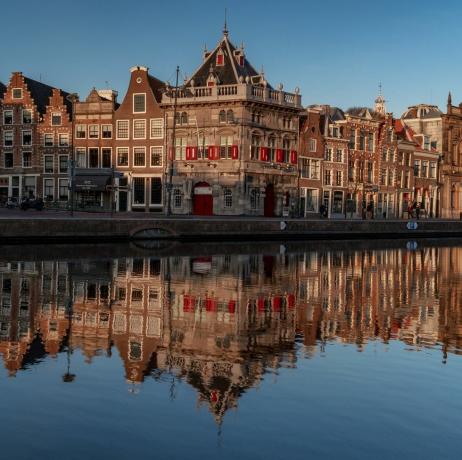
(231, 72)
(364, 112)
(41, 94)
(157, 87)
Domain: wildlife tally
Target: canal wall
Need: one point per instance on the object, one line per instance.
(106, 229)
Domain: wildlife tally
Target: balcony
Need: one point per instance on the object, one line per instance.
(242, 91)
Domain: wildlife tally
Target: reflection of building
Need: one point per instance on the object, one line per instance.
(221, 322)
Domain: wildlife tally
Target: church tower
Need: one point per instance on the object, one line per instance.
(380, 102)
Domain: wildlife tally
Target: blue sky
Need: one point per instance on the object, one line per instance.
(336, 52)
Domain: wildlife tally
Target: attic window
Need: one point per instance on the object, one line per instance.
(241, 61)
(17, 93)
(220, 59)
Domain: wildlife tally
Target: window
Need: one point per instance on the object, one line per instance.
(286, 149)
(352, 141)
(432, 170)
(63, 164)
(81, 157)
(327, 177)
(106, 131)
(29, 185)
(139, 129)
(156, 190)
(64, 140)
(56, 119)
(48, 164)
(26, 159)
(390, 177)
(26, 116)
(139, 156)
(80, 131)
(370, 142)
(93, 158)
(220, 59)
(337, 203)
(139, 103)
(255, 199)
(272, 148)
(426, 143)
(8, 159)
(328, 154)
(8, 117)
(63, 190)
(339, 155)
(93, 132)
(27, 138)
(222, 116)
(424, 170)
(156, 156)
(177, 198)
(384, 154)
(255, 147)
(106, 154)
(391, 155)
(8, 138)
(227, 198)
(338, 178)
(157, 128)
(370, 170)
(305, 168)
(122, 129)
(48, 189)
(315, 169)
(17, 93)
(362, 139)
(225, 147)
(138, 190)
(229, 116)
(181, 118)
(48, 140)
(351, 170)
(383, 176)
(311, 200)
(417, 168)
(122, 156)
(180, 148)
(312, 144)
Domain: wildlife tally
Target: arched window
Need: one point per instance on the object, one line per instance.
(222, 116)
(272, 148)
(229, 116)
(255, 146)
(286, 149)
(255, 199)
(227, 198)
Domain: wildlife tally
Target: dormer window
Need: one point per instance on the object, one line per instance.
(241, 61)
(220, 58)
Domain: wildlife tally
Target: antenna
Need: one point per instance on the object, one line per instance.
(225, 28)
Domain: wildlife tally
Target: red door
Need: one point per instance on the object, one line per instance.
(203, 199)
(269, 200)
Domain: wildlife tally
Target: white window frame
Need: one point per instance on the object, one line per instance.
(59, 164)
(49, 179)
(160, 123)
(22, 159)
(22, 138)
(12, 117)
(110, 156)
(60, 118)
(15, 89)
(66, 136)
(77, 130)
(45, 139)
(133, 154)
(127, 150)
(110, 130)
(313, 145)
(52, 162)
(143, 122)
(22, 116)
(5, 132)
(133, 102)
(59, 187)
(90, 136)
(128, 129)
(161, 155)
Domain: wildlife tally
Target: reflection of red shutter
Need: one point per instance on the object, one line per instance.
(291, 300)
(188, 304)
(293, 157)
(264, 153)
(214, 396)
(210, 152)
(210, 305)
(188, 153)
(232, 306)
(277, 304)
(261, 304)
(234, 152)
(279, 156)
(193, 153)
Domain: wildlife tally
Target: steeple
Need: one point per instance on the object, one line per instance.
(449, 106)
(380, 102)
(225, 26)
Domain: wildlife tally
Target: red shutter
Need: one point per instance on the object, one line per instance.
(188, 304)
(234, 152)
(210, 152)
(193, 153)
(170, 153)
(261, 304)
(232, 306)
(293, 157)
(264, 153)
(291, 300)
(188, 153)
(277, 304)
(279, 155)
(217, 152)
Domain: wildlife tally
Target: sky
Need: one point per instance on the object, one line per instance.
(336, 52)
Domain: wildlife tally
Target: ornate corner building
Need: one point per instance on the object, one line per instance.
(236, 137)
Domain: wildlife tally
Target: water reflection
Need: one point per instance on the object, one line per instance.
(221, 322)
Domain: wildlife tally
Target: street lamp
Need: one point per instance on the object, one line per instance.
(72, 98)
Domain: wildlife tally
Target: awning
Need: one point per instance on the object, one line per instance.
(95, 183)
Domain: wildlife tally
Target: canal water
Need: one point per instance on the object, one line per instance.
(324, 351)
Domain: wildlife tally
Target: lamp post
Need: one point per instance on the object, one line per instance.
(72, 98)
(170, 175)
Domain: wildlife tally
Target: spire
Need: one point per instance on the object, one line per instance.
(380, 102)
(225, 27)
(449, 98)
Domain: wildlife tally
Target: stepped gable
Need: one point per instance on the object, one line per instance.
(233, 69)
(42, 93)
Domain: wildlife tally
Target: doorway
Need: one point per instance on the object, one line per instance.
(269, 200)
(202, 199)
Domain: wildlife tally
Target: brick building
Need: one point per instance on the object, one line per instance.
(236, 138)
(139, 144)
